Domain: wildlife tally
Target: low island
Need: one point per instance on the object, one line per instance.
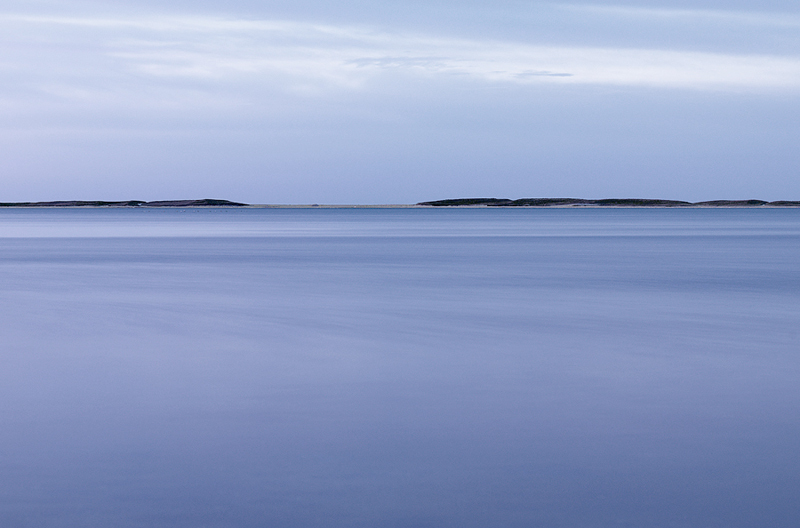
(129, 203)
(455, 202)
(608, 202)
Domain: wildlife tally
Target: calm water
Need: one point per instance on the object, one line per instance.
(400, 368)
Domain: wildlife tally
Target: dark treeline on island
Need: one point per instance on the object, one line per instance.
(610, 202)
(456, 202)
(129, 203)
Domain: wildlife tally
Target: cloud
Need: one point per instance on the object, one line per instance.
(730, 17)
(174, 62)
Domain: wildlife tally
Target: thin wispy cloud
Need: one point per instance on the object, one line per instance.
(199, 53)
(728, 17)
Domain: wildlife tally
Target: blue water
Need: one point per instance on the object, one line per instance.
(400, 368)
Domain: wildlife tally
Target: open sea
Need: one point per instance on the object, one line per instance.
(400, 368)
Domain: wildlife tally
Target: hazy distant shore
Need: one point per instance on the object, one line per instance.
(456, 202)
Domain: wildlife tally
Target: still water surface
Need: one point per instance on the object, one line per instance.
(400, 368)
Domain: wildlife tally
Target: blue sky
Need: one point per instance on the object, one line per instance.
(398, 102)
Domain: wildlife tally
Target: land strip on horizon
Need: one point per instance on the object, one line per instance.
(607, 202)
(128, 203)
(456, 202)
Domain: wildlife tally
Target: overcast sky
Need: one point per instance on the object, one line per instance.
(368, 101)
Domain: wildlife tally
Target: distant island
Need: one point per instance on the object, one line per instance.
(608, 202)
(130, 203)
(455, 202)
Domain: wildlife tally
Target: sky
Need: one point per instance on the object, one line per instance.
(376, 101)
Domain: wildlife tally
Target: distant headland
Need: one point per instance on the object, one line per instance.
(130, 203)
(608, 202)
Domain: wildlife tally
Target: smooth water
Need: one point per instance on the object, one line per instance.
(400, 368)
